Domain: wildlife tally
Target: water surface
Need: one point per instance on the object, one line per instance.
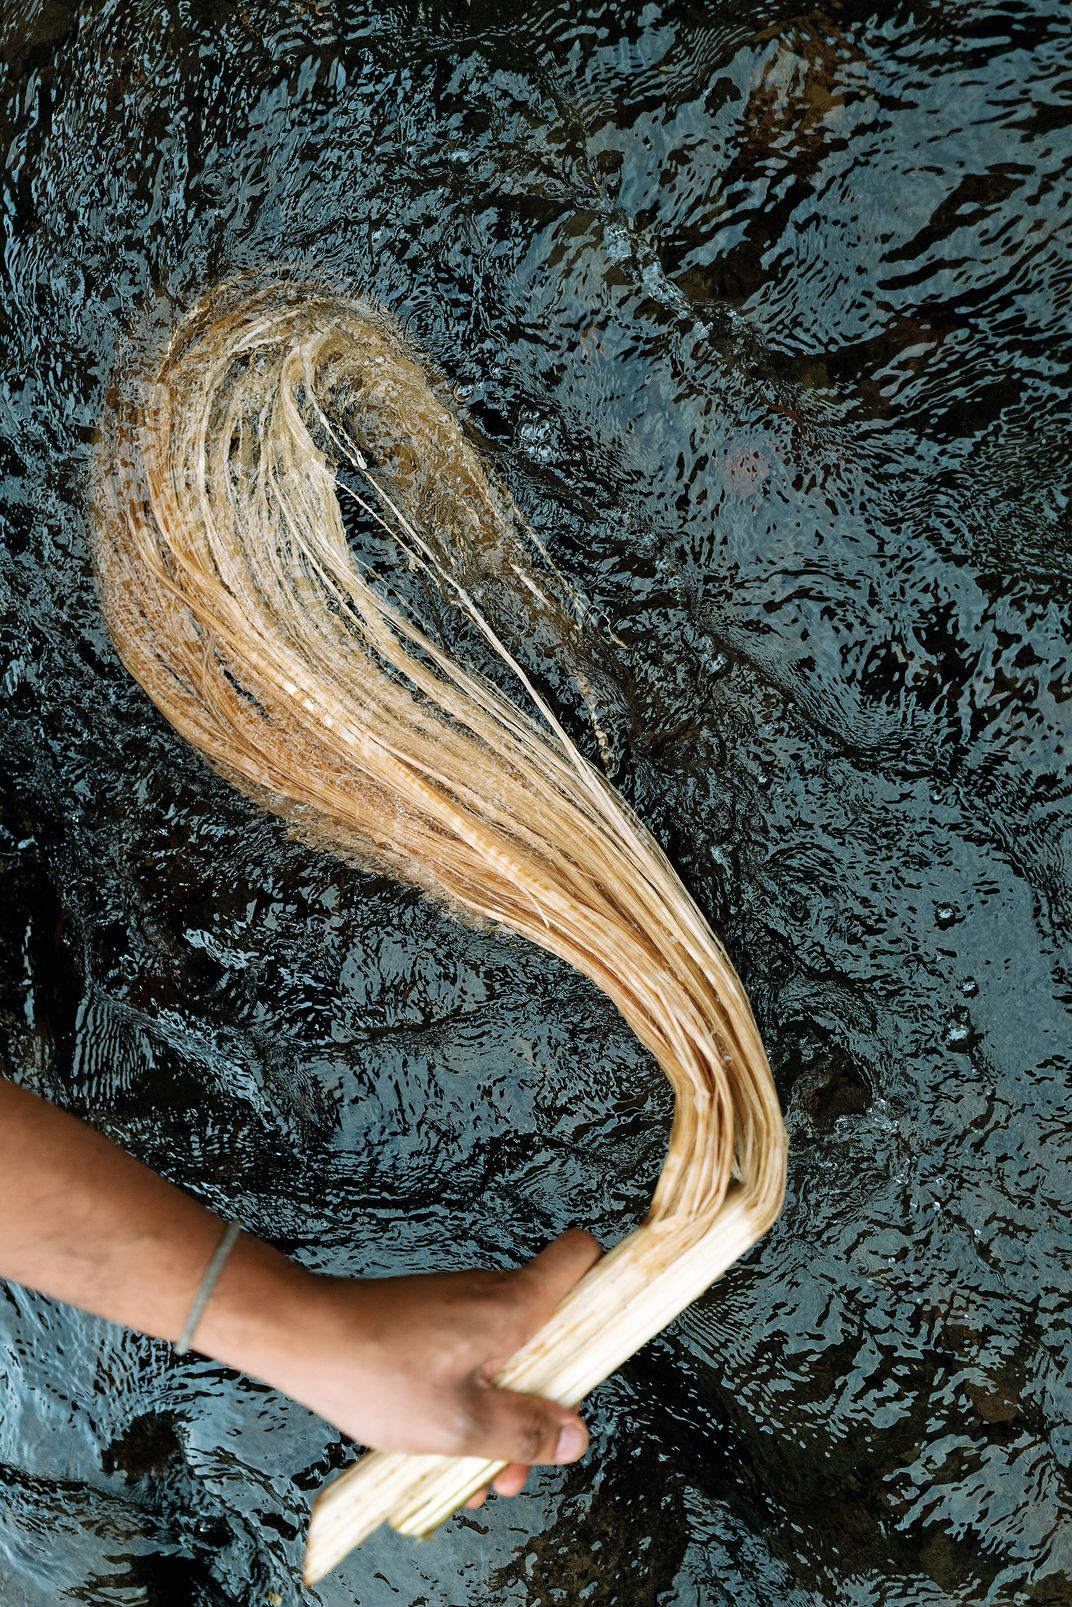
(764, 317)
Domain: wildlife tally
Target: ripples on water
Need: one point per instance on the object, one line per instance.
(765, 318)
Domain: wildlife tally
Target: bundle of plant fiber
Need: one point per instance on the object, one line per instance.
(231, 591)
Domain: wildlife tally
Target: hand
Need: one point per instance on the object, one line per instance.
(406, 1364)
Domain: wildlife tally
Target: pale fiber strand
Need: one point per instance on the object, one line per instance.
(227, 581)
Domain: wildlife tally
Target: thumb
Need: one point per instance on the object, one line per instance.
(511, 1427)
(550, 1276)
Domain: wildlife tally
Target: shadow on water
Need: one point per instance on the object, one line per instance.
(763, 316)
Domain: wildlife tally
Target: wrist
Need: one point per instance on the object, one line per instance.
(258, 1312)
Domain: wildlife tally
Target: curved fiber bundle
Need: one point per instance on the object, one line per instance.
(231, 592)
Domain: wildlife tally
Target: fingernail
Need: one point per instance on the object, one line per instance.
(571, 1442)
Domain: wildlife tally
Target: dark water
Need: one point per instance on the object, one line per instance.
(766, 318)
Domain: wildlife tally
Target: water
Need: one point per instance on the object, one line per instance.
(764, 318)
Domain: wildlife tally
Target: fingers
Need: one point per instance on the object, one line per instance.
(550, 1275)
(511, 1481)
(523, 1429)
(510, 1427)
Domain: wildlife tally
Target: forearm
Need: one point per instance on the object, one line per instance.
(86, 1223)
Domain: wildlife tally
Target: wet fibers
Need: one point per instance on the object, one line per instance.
(765, 319)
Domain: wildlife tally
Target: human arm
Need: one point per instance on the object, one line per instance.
(397, 1363)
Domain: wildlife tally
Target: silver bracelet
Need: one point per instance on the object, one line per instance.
(208, 1283)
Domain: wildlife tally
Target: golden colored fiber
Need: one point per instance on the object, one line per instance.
(230, 590)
